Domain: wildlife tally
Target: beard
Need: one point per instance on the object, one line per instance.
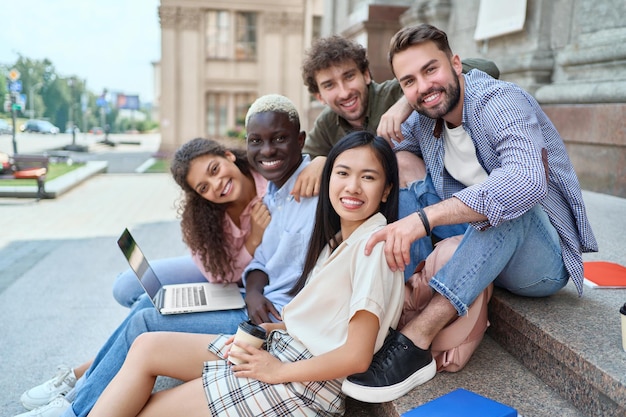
(452, 94)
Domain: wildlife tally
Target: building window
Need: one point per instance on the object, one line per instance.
(217, 34)
(226, 113)
(231, 35)
(243, 101)
(317, 27)
(217, 113)
(245, 47)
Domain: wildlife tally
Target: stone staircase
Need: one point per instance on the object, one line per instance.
(556, 356)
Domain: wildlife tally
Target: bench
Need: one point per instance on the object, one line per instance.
(33, 167)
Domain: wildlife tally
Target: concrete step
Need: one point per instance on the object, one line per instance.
(573, 344)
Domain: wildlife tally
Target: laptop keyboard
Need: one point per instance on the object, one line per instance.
(189, 296)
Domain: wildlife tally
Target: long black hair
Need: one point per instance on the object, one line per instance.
(327, 221)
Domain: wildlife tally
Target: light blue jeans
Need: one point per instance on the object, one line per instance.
(143, 318)
(420, 194)
(521, 255)
(179, 270)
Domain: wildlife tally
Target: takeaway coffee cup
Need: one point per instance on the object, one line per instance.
(623, 314)
(249, 333)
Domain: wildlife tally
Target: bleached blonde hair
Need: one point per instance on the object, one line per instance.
(274, 103)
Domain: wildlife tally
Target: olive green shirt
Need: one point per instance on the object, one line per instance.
(329, 127)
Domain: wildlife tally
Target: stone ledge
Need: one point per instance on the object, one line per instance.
(570, 343)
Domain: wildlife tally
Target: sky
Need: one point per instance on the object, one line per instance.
(109, 43)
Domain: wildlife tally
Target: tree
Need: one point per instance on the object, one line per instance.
(35, 77)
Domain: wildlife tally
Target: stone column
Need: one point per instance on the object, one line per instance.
(168, 100)
(191, 62)
(182, 107)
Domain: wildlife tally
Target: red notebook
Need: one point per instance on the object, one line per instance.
(600, 274)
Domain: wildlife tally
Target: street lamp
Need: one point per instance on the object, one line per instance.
(70, 84)
(31, 98)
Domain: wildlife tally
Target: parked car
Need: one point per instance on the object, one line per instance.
(40, 126)
(5, 127)
(96, 130)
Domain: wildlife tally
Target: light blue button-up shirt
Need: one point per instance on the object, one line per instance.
(285, 241)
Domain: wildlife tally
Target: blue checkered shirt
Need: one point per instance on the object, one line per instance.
(516, 144)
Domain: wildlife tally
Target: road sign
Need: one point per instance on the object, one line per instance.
(15, 86)
(14, 75)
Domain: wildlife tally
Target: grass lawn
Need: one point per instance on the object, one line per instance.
(159, 166)
(54, 171)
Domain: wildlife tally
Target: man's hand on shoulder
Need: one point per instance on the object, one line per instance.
(308, 182)
(398, 237)
(390, 123)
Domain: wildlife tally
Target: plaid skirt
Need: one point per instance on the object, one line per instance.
(228, 395)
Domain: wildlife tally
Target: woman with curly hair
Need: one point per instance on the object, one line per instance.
(208, 221)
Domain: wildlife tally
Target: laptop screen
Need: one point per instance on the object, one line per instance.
(139, 264)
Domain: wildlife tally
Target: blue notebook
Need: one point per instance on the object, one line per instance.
(462, 403)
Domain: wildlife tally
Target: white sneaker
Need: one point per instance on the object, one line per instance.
(44, 393)
(56, 408)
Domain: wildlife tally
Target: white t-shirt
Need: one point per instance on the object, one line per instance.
(460, 157)
(342, 283)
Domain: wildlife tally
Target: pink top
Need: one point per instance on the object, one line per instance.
(237, 238)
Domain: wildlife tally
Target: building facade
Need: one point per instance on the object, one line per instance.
(217, 57)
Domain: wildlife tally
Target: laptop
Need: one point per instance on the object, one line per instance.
(178, 298)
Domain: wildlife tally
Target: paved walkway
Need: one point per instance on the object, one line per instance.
(58, 259)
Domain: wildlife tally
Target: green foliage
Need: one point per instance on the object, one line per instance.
(3, 86)
(58, 98)
(237, 132)
(159, 166)
(131, 125)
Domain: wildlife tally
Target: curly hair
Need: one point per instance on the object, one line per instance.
(326, 52)
(202, 221)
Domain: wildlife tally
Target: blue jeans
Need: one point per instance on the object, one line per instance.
(143, 318)
(420, 194)
(180, 270)
(521, 255)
